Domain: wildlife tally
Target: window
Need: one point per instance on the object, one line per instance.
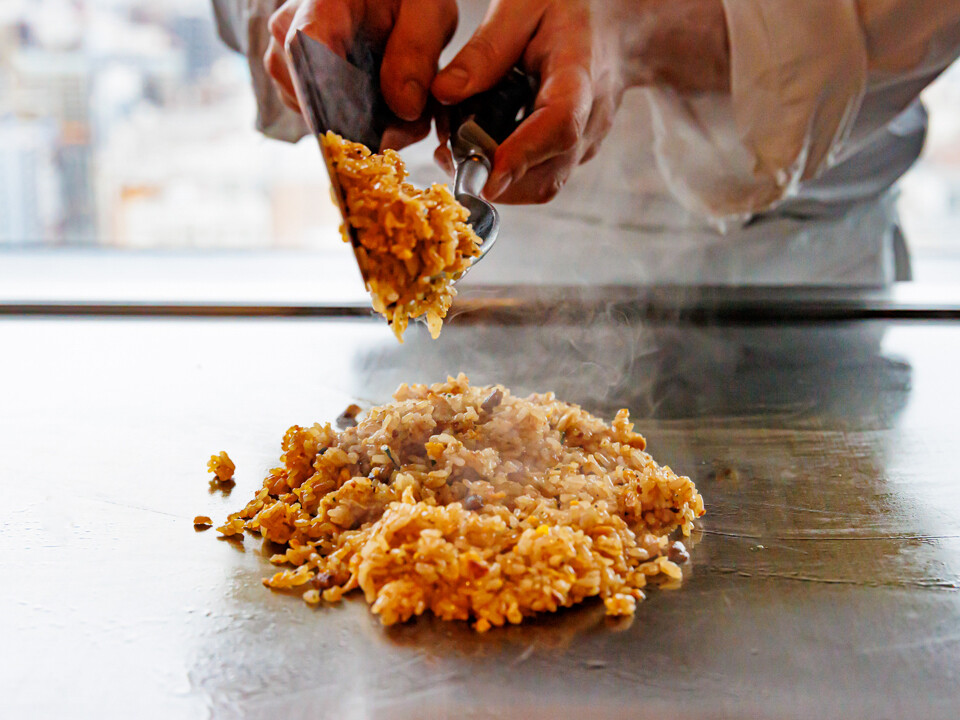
(127, 123)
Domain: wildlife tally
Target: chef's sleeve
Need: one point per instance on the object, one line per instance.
(810, 79)
(242, 25)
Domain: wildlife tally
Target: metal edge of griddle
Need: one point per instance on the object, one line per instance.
(706, 305)
(183, 309)
(711, 305)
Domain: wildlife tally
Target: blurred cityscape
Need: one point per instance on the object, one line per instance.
(127, 123)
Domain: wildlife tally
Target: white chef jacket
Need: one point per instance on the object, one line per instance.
(793, 164)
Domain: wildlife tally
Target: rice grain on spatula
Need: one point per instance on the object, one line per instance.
(412, 244)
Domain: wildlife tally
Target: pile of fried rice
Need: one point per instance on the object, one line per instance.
(411, 244)
(471, 503)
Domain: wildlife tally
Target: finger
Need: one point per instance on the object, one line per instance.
(279, 22)
(598, 126)
(442, 155)
(555, 127)
(275, 63)
(441, 121)
(332, 22)
(397, 137)
(591, 153)
(444, 158)
(541, 183)
(422, 29)
(274, 59)
(495, 47)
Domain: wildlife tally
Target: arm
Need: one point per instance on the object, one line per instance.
(750, 97)
(586, 54)
(809, 81)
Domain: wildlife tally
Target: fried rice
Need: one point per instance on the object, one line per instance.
(474, 504)
(411, 244)
(222, 467)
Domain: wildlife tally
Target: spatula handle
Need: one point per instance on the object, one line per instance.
(497, 112)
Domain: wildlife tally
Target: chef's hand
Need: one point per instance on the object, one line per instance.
(586, 53)
(412, 33)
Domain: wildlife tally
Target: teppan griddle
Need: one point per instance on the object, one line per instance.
(823, 581)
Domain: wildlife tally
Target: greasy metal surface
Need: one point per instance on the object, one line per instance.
(824, 583)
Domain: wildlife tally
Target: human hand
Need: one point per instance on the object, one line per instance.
(411, 32)
(586, 54)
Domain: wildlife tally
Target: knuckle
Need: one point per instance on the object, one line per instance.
(277, 25)
(590, 153)
(607, 124)
(450, 16)
(482, 48)
(549, 190)
(389, 72)
(418, 48)
(599, 127)
(271, 60)
(568, 135)
(275, 66)
(394, 75)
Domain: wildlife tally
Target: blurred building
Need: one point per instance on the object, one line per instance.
(128, 123)
(52, 89)
(200, 46)
(29, 212)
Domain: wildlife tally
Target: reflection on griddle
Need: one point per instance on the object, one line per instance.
(826, 542)
(768, 376)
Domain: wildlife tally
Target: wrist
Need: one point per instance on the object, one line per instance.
(682, 44)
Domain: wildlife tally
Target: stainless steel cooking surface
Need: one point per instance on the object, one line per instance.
(824, 581)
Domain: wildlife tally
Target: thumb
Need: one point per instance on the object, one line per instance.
(495, 47)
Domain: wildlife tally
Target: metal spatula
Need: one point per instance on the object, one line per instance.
(344, 96)
(477, 127)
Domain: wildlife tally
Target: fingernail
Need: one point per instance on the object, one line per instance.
(497, 184)
(415, 96)
(451, 81)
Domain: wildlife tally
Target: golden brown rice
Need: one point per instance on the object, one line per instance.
(222, 467)
(411, 244)
(471, 503)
